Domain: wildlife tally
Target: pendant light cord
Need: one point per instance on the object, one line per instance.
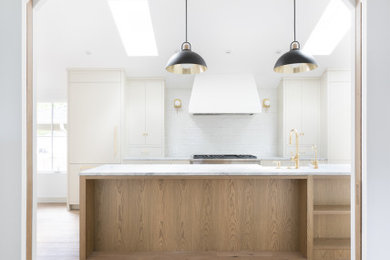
(187, 21)
(295, 21)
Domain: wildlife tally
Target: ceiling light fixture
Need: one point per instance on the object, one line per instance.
(295, 60)
(186, 61)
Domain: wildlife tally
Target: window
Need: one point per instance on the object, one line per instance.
(333, 25)
(135, 27)
(51, 137)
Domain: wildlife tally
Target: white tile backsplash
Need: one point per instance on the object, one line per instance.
(186, 134)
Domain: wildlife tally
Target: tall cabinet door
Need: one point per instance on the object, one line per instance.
(292, 106)
(310, 113)
(94, 122)
(135, 102)
(339, 122)
(291, 112)
(300, 110)
(154, 111)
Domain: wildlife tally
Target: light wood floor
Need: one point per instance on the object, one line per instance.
(57, 233)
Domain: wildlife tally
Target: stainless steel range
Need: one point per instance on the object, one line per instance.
(224, 159)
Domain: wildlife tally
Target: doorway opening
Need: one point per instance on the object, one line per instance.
(52, 179)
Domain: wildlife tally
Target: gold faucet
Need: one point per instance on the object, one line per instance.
(296, 157)
(315, 162)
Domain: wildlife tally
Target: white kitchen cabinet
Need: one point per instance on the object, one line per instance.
(336, 115)
(143, 118)
(299, 108)
(94, 116)
(154, 112)
(94, 121)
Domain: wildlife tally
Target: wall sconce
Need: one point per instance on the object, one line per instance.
(177, 103)
(266, 104)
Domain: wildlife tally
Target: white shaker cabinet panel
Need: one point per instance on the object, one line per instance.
(154, 111)
(143, 118)
(336, 117)
(300, 109)
(310, 113)
(135, 114)
(292, 107)
(340, 123)
(94, 122)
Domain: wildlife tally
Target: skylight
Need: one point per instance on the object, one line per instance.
(330, 29)
(134, 23)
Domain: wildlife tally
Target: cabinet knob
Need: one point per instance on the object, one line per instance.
(145, 134)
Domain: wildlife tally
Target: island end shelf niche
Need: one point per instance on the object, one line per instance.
(214, 217)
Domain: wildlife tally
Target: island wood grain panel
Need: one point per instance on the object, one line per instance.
(83, 220)
(332, 231)
(332, 210)
(332, 254)
(309, 224)
(303, 213)
(332, 243)
(156, 215)
(90, 214)
(332, 191)
(332, 226)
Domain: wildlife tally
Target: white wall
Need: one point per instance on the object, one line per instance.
(377, 131)
(51, 187)
(188, 134)
(11, 129)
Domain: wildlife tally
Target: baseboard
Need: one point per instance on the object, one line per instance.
(52, 200)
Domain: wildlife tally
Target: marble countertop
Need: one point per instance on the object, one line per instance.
(211, 170)
(157, 159)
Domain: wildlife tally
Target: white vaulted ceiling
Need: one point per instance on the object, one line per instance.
(82, 33)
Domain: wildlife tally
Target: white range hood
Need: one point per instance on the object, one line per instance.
(224, 94)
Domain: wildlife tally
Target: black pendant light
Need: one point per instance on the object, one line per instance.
(295, 61)
(186, 61)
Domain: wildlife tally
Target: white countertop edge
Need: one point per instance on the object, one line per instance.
(289, 159)
(211, 170)
(157, 159)
(191, 159)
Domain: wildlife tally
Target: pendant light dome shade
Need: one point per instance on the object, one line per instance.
(295, 61)
(186, 61)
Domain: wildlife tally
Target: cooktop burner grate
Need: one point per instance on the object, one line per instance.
(224, 156)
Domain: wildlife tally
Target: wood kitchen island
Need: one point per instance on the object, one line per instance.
(204, 212)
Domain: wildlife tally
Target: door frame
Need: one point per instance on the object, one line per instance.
(357, 136)
(29, 117)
